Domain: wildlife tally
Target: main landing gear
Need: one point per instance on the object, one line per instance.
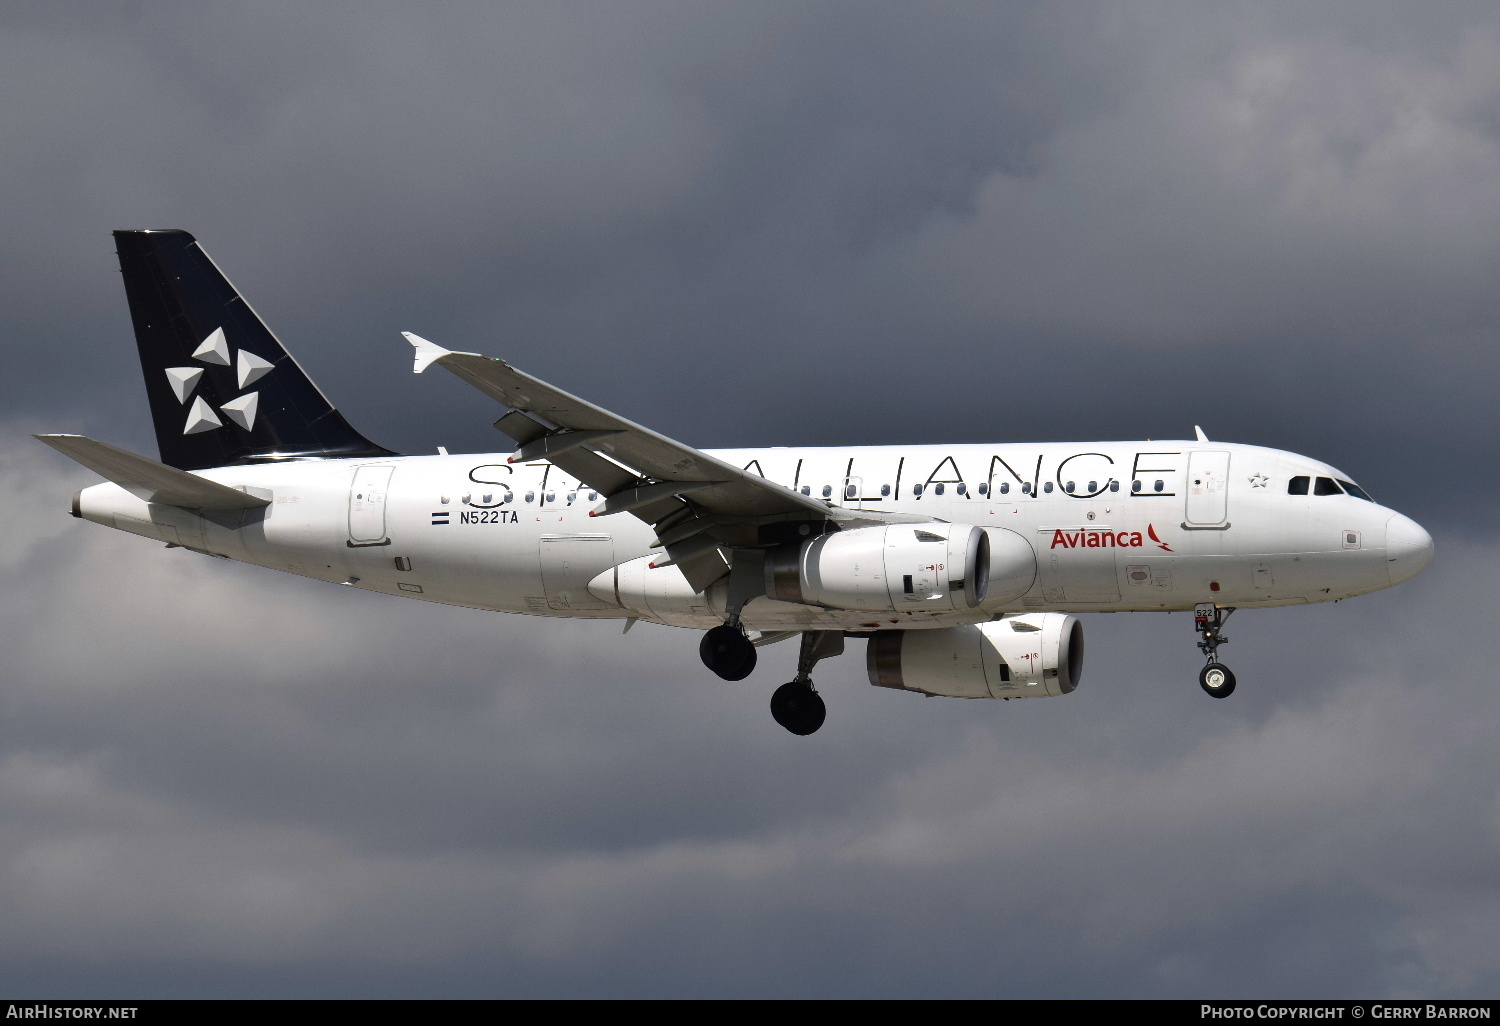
(726, 651)
(1208, 621)
(795, 705)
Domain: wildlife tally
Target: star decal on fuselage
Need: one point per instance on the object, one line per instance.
(1259, 481)
(241, 410)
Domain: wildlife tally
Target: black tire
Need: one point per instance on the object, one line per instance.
(798, 708)
(1217, 679)
(727, 652)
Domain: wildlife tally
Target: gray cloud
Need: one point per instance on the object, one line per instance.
(203, 761)
(1283, 221)
(777, 224)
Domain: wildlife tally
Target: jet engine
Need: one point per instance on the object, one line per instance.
(1027, 655)
(933, 566)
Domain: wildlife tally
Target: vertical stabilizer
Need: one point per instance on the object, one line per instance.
(221, 387)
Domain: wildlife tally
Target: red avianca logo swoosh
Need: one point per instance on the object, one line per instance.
(1087, 539)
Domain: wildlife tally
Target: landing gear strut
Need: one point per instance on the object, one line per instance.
(1208, 621)
(795, 705)
(726, 649)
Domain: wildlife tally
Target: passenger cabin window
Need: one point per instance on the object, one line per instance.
(885, 489)
(849, 491)
(1354, 490)
(1327, 486)
(1047, 486)
(938, 488)
(1114, 486)
(916, 490)
(1068, 487)
(963, 489)
(1004, 487)
(1093, 486)
(1298, 485)
(984, 488)
(1159, 484)
(1026, 488)
(1135, 486)
(807, 489)
(827, 491)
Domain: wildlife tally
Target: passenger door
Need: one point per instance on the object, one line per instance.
(367, 496)
(1207, 488)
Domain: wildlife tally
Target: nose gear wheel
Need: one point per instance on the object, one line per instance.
(1217, 679)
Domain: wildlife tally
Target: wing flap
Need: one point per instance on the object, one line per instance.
(594, 470)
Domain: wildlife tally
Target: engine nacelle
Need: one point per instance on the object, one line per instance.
(1012, 567)
(1027, 655)
(901, 567)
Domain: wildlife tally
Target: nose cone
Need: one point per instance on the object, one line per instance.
(1408, 548)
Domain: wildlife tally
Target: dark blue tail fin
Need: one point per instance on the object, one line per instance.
(221, 387)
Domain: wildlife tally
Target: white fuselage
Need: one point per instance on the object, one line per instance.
(1114, 525)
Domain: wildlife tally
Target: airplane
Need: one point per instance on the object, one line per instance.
(963, 567)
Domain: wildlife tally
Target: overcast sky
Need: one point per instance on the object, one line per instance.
(746, 224)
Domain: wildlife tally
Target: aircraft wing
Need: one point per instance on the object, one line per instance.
(690, 496)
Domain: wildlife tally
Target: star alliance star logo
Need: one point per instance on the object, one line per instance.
(1259, 481)
(249, 369)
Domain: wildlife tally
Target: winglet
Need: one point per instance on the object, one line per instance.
(427, 353)
(1199, 432)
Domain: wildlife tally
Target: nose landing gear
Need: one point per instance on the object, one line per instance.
(1208, 622)
(795, 705)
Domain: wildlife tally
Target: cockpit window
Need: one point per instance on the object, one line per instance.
(1298, 485)
(1327, 486)
(1355, 490)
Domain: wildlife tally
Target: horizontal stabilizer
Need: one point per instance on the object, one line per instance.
(149, 480)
